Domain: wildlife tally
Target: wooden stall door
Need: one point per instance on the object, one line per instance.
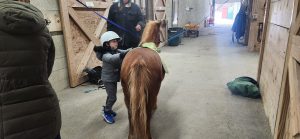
(274, 58)
(160, 14)
(82, 28)
(294, 85)
(288, 121)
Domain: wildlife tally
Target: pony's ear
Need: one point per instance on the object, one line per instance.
(158, 23)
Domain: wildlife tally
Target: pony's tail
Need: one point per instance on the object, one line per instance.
(138, 86)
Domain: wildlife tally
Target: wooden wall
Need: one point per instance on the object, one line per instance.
(288, 121)
(50, 8)
(280, 69)
(274, 56)
(272, 70)
(160, 14)
(82, 28)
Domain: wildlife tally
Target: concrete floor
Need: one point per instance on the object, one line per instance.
(194, 102)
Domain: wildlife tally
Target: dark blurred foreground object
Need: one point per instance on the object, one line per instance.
(29, 105)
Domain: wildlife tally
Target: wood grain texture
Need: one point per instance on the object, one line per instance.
(281, 13)
(68, 40)
(272, 70)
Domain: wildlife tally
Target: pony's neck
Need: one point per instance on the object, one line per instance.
(150, 45)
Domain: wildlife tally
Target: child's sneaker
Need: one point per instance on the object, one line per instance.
(114, 114)
(108, 118)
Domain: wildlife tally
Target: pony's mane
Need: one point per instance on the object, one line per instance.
(150, 32)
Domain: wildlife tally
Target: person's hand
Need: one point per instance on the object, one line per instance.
(138, 27)
(123, 54)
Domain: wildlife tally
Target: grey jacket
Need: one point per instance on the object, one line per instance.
(111, 65)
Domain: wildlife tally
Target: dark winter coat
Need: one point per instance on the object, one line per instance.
(29, 107)
(129, 18)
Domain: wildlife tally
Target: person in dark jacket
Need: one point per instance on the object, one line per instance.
(129, 16)
(29, 106)
(111, 58)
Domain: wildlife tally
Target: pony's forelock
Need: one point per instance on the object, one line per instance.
(150, 31)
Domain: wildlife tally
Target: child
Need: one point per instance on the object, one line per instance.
(111, 58)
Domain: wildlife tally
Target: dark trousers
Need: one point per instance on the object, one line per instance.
(111, 90)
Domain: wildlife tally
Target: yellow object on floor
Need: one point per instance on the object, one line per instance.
(192, 26)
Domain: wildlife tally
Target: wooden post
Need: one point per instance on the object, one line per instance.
(263, 41)
(159, 13)
(248, 23)
(149, 10)
(68, 39)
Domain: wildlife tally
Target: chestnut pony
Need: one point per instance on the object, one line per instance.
(141, 76)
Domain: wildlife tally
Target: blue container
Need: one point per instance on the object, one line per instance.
(174, 36)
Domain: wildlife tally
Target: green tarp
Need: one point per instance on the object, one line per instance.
(244, 86)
